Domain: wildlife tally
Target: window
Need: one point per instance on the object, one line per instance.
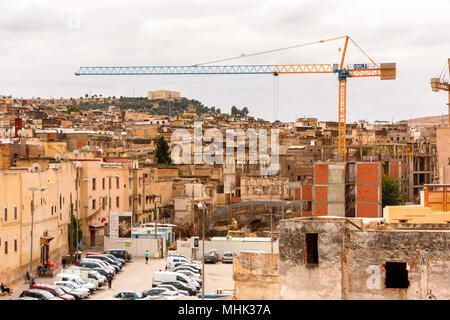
(117, 183)
(109, 182)
(117, 202)
(103, 183)
(6, 214)
(110, 202)
(311, 250)
(15, 245)
(93, 183)
(60, 202)
(396, 275)
(15, 213)
(93, 203)
(6, 247)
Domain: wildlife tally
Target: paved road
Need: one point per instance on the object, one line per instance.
(138, 276)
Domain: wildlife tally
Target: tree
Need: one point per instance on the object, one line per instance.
(245, 111)
(234, 111)
(73, 231)
(391, 193)
(162, 151)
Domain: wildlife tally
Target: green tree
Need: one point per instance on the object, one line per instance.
(391, 193)
(234, 111)
(162, 152)
(245, 111)
(73, 231)
(72, 109)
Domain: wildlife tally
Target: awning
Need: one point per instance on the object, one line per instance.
(45, 240)
(95, 227)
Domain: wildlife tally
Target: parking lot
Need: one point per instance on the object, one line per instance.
(137, 276)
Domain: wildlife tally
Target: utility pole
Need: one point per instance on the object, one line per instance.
(203, 263)
(33, 189)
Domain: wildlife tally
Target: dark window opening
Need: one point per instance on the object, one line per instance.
(396, 275)
(312, 250)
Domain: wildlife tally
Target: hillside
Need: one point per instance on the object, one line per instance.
(428, 121)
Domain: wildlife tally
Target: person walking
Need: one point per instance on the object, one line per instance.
(146, 257)
(109, 277)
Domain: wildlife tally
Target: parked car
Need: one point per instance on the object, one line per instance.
(54, 290)
(76, 295)
(155, 291)
(99, 264)
(192, 275)
(77, 279)
(172, 288)
(212, 257)
(39, 294)
(227, 257)
(164, 276)
(172, 260)
(73, 287)
(129, 295)
(119, 253)
(186, 267)
(107, 260)
(180, 286)
(119, 261)
(86, 274)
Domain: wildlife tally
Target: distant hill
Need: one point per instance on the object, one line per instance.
(428, 121)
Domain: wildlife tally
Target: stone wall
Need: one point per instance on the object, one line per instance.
(352, 261)
(256, 276)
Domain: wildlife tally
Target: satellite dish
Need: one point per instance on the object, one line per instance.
(148, 161)
(20, 132)
(36, 167)
(57, 157)
(76, 153)
(65, 158)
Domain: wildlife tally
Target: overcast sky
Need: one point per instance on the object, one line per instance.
(43, 43)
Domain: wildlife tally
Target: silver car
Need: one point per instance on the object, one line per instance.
(227, 257)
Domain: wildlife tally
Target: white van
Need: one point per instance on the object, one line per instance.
(75, 278)
(84, 273)
(172, 260)
(165, 276)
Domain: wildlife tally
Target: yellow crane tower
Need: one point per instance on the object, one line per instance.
(440, 84)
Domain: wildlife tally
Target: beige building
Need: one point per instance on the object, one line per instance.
(163, 94)
(100, 181)
(51, 217)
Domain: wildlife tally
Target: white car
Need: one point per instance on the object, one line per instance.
(76, 288)
(77, 279)
(173, 289)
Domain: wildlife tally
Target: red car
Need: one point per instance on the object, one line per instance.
(55, 290)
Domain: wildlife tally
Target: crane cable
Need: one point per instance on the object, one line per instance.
(443, 72)
(269, 51)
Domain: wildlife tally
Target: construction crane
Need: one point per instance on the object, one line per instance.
(438, 84)
(386, 71)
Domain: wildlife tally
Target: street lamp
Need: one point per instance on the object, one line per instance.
(203, 207)
(33, 189)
